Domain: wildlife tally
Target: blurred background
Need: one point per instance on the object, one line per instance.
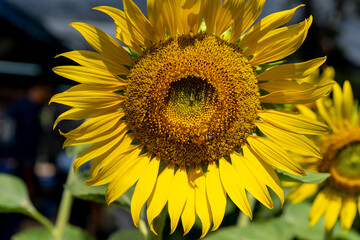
(33, 32)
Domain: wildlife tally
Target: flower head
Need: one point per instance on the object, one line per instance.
(338, 195)
(177, 111)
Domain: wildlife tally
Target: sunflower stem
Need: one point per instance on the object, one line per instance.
(142, 225)
(41, 218)
(64, 210)
(243, 219)
(159, 224)
(328, 234)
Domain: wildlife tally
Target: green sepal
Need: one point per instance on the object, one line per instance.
(227, 33)
(133, 54)
(311, 177)
(263, 67)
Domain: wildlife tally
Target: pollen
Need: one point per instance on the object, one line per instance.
(341, 158)
(192, 99)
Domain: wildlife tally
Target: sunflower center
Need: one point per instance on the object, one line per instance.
(347, 163)
(192, 99)
(341, 152)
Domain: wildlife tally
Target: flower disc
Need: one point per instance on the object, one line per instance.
(192, 99)
(341, 158)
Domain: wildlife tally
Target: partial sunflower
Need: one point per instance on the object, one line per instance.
(177, 111)
(339, 194)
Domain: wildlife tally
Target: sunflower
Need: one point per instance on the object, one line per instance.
(176, 112)
(339, 194)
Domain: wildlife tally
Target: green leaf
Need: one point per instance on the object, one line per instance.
(273, 229)
(33, 233)
(74, 232)
(284, 227)
(79, 189)
(263, 212)
(339, 235)
(14, 197)
(311, 177)
(293, 223)
(129, 234)
(297, 216)
(71, 232)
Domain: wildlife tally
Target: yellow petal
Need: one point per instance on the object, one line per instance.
(274, 155)
(91, 76)
(155, 15)
(304, 110)
(126, 175)
(293, 142)
(138, 19)
(228, 11)
(122, 148)
(211, 11)
(188, 215)
(125, 31)
(325, 114)
(171, 15)
(319, 206)
(265, 25)
(177, 197)
(328, 74)
(85, 58)
(292, 71)
(333, 210)
(358, 203)
(265, 170)
(101, 133)
(233, 186)
(88, 88)
(302, 192)
(246, 17)
(79, 113)
(215, 194)
(159, 196)
(202, 208)
(94, 60)
(285, 85)
(279, 43)
(292, 122)
(97, 124)
(115, 166)
(298, 97)
(94, 137)
(254, 184)
(348, 101)
(98, 163)
(348, 212)
(338, 100)
(103, 43)
(143, 189)
(88, 99)
(99, 148)
(191, 13)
